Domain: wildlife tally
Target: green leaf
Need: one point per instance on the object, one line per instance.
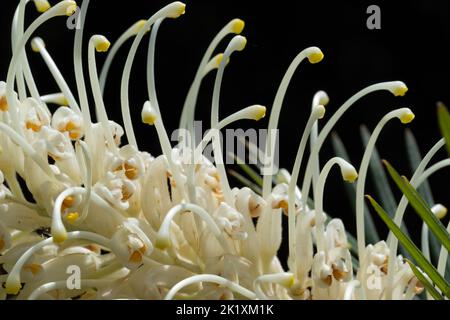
(414, 156)
(415, 253)
(444, 123)
(420, 207)
(431, 290)
(248, 170)
(246, 182)
(379, 176)
(370, 228)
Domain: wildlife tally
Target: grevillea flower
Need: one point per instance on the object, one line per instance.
(160, 226)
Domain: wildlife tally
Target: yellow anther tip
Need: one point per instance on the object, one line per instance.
(59, 237)
(219, 59)
(139, 25)
(149, 119)
(162, 243)
(180, 10)
(36, 43)
(315, 57)
(439, 211)
(42, 5)
(13, 288)
(102, 46)
(407, 117)
(400, 91)
(237, 26)
(260, 112)
(351, 176)
(71, 9)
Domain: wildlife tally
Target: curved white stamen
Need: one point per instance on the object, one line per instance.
(59, 9)
(255, 112)
(100, 44)
(23, 69)
(13, 282)
(150, 115)
(349, 174)
(173, 10)
(317, 112)
(79, 75)
(210, 278)
(285, 279)
(159, 124)
(38, 45)
(236, 44)
(314, 55)
(320, 97)
(397, 88)
(350, 290)
(187, 116)
(163, 240)
(59, 232)
(55, 98)
(130, 32)
(405, 115)
(63, 285)
(439, 211)
(87, 179)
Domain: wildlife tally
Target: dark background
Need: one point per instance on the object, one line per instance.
(413, 46)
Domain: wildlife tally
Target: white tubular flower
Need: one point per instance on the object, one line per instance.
(33, 115)
(130, 244)
(115, 189)
(231, 221)
(129, 160)
(65, 119)
(268, 227)
(58, 145)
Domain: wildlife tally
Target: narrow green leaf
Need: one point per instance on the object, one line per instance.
(370, 228)
(248, 170)
(414, 156)
(444, 123)
(246, 182)
(379, 178)
(415, 253)
(420, 207)
(434, 293)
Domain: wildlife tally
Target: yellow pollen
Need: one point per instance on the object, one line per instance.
(69, 201)
(400, 91)
(34, 268)
(407, 118)
(3, 103)
(125, 194)
(238, 26)
(130, 171)
(315, 57)
(36, 127)
(136, 256)
(72, 217)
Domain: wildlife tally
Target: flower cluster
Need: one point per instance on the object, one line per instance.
(146, 227)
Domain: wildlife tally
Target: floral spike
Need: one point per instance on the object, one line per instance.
(163, 226)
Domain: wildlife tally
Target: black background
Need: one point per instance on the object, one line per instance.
(413, 45)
